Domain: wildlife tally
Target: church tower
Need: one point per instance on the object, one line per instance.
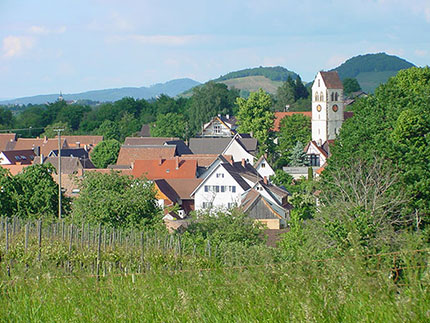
(327, 107)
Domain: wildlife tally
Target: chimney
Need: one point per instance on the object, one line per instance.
(177, 162)
(227, 116)
(78, 144)
(36, 150)
(231, 161)
(45, 139)
(265, 180)
(243, 162)
(41, 158)
(18, 163)
(160, 161)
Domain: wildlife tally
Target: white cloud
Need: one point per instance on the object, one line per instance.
(421, 52)
(164, 40)
(42, 30)
(335, 61)
(16, 45)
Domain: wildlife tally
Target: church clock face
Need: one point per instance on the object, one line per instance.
(335, 108)
(319, 108)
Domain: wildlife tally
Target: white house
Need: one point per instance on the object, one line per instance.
(221, 188)
(263, 167)
(219, 127)
(239, 147)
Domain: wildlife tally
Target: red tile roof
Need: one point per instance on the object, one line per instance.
(165, 168)
(14, 169)
(91, 141)
(280, 115)
(6, 140)
(184, 186)
(128, 154)
(46, 145)
(332, 80)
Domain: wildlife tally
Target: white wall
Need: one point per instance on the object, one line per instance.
(219, 199)
(238, 152)
(267, 170)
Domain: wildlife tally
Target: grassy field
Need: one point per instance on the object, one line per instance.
(253, 83)
(48, 273)
(338, 291)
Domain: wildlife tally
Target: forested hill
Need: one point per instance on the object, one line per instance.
(170, 88)
(277, 73)
(370, 70)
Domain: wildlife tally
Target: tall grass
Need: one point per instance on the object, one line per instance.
(337, 291)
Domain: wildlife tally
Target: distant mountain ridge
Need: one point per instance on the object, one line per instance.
(371, 70)
(170, 88)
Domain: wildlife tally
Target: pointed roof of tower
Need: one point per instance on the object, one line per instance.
(332, 80)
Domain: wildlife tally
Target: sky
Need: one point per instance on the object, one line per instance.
(48, 46)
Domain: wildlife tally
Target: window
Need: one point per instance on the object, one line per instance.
(263, 165)
(321, 96)
(206, 188)
(232, 189)
(332, 96)
(316, 96)
(336, 96)
(219, 175)
(231, 205)
(318, 83)
(217, 129)
(314, 160)
(223, 189)
(207, 205)
(215, 188)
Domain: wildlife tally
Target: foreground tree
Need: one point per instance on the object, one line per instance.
(255, 117)
(105, 153)
(116, 200)
(393, 124)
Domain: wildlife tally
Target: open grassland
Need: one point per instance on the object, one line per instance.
(333, 292)
(253, 83)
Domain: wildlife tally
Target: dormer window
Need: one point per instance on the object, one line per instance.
(217, 129)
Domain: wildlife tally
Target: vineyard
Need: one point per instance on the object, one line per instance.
(59, 271)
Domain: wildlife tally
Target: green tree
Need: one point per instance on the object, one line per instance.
(128, 125)
(225, 228)
(9, 193)
(170, 125)
(50, 130)
(293, 129)
(300, 91)
(105, 153)
(116, 200)
(281, 178)
(285, 94)
(350, 85)
(298, 156)
(255, 117)
(393, 125)
(209, 100)
(38, 193)
(109, 130)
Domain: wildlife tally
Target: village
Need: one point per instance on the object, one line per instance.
(219, 169)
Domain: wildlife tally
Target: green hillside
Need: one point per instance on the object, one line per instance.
(371, 70)
(252, 84)
(277, 73)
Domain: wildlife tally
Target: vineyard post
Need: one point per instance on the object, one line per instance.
(7, 235)
(99, 250)
(39, 239)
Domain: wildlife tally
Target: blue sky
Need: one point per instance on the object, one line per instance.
(73, 46)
